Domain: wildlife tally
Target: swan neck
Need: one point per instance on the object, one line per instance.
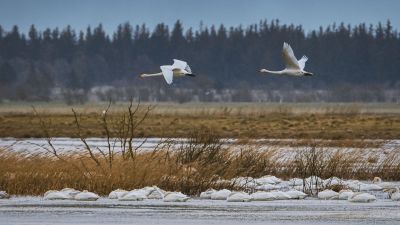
(151, 74)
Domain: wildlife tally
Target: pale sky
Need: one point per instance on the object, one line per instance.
(81, 13)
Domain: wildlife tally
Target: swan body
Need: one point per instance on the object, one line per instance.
(262, 196)
(279, 195)
(56, 195)
(4, 195)
(175, 197)
(268, 179)
(207, 194)
(396, 195)
(156, 193)
(362, 197)
(238, 197)
(178, 69)
(294, 67)
(345, 194)
(134, 195)
(221, 194)
(116, 194)
(267, 187)
(328, 195)
(86, 196)
(295, 194)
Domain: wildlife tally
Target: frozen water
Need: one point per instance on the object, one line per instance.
(35, 210)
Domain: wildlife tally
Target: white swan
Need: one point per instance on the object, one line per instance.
(262, 196)
(328, 195)
(221, 194)
(86, 196)
(207, 194)
(156, 193)
(178, 69)
(294, 67)
(134, 195)
(385, 185)
(345, 194)
(4, 195)
(279, 195)
(295, 194)
(175, 197)
(238, 197)
(362, 197)
(56, 195)
(116, 194)
(267, 187)
(396, 195)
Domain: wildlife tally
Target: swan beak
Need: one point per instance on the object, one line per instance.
(190, 74)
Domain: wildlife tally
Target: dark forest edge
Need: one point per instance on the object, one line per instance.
(354, 63)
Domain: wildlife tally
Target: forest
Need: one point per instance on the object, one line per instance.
(358, 63)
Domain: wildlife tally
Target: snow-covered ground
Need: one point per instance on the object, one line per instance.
(35, 210)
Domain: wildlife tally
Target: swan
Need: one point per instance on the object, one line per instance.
(207, 194)
(385, 185)
(295, 194)
(279, 195)
(56, 195)
(221, 194)
(262, 196)
(178, 69)
(116, 194)
(268, 179)
(345, 194)
(395, 195)
(238, 197)
(71, 192)
(86, 196)
(4, 195)
(134, 195)
(156, 193)
(175, 197)
(328, 195)
(294, 67)
(267, 187)
(362, 197)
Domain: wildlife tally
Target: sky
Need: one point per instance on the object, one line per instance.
(80, 13)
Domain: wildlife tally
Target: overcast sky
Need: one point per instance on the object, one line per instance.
(81, 13)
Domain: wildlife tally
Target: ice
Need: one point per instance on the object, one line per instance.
(35, 210)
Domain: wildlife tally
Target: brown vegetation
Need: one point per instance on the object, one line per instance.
(338, 122)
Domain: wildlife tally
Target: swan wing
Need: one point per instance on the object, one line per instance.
(187, 68)
(302, 62)
(167, 73)
(289, 58)
(179, 64)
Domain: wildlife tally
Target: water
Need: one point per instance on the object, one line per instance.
(35, 210)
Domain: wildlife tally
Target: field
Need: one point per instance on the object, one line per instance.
(233, 120)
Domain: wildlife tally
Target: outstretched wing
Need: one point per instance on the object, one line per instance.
(302, 62)
(181, 65)
(289, 58)
(167, 73)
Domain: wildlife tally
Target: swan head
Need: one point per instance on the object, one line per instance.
(263, 71)
(308, 73)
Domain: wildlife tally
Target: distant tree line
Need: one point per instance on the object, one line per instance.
(63, 62)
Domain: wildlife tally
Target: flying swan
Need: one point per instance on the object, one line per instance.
(178, 69)
(294, 67)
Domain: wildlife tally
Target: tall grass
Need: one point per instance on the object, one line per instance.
(195, 166)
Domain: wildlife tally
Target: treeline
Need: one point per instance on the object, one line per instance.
(63, 62)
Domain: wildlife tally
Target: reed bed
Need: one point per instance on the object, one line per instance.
(193, 167)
